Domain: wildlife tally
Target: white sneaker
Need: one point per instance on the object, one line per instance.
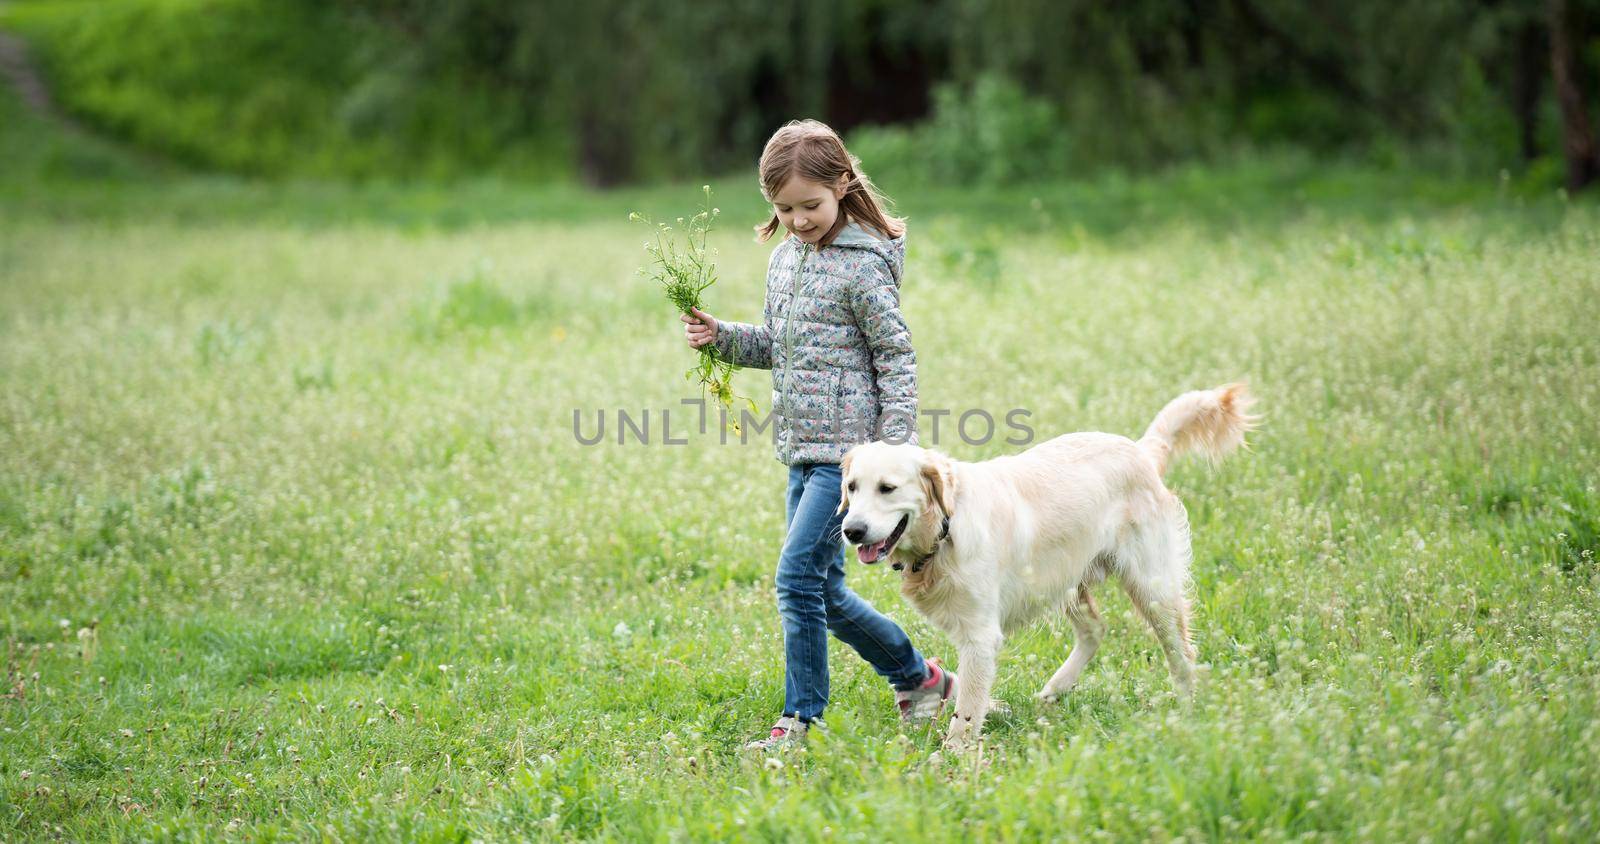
(788, 730)
(919, 705)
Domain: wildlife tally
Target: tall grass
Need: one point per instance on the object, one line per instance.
(296, 540)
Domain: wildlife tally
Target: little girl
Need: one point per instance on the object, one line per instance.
(843, 372)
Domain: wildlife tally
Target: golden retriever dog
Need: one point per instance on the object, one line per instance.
(984, 548)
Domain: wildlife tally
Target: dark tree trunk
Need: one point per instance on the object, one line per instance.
(884, 83)
(605, 149)
(1577, 134)
(1527, 81)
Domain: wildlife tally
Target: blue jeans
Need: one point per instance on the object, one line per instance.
(812, 599)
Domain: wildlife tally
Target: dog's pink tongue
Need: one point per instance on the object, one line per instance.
(869, 553)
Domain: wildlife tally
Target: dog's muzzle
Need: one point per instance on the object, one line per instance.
(873, 552)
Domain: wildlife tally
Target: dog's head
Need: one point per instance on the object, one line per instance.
(890, 490)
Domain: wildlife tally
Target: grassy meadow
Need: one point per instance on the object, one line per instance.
(297, 542)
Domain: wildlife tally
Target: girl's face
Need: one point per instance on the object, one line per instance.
(808, 209)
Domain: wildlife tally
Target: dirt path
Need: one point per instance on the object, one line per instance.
(17, 66)
(21, 73)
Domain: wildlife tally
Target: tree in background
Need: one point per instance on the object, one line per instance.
(616, 91)
(1577, 132)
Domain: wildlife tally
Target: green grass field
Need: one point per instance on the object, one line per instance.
(296, 540)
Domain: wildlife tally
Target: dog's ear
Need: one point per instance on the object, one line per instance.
(938, 478)
(844, 483)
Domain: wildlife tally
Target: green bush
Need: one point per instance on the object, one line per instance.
(991, 132)
(270, 88)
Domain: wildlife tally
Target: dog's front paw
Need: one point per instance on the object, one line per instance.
(1047, 695)
(963, 734)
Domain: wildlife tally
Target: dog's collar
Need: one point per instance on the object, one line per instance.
(944, 533)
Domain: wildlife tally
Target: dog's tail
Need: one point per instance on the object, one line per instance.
(1212, 422)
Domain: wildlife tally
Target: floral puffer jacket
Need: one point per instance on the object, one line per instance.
(843, 370)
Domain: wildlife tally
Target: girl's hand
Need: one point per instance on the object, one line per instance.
(699, 327)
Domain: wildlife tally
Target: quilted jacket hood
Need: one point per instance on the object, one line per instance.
(892, 250)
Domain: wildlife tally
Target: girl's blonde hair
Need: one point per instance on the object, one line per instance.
(814, 152)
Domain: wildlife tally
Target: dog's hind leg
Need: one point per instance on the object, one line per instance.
(1088, 630)
(1168, 616)
(1154, 577)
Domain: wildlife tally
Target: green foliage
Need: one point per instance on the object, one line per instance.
(214, 83)
(620, 91)
(271, 88)
(988, 133)
(35, 151)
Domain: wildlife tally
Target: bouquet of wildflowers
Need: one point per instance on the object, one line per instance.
(685, 266)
